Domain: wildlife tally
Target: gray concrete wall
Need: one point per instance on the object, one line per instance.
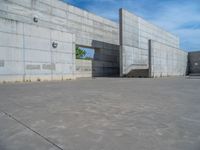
(95, 68)
(102, 68)
(135, 33)
(105, 62)
(167, 60)
(27, 52)
(83, 68)
(194, 63)
(56, 20)
(88, 28)
(132, 56)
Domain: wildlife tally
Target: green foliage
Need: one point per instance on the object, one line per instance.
(80, 53)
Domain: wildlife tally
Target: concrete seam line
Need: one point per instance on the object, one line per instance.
(26, 126)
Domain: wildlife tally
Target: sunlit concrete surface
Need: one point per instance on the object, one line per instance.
(101, 114)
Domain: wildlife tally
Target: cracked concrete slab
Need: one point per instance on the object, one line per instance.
(14, 136)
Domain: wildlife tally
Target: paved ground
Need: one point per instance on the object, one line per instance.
(101, 114)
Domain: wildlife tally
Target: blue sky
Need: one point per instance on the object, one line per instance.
(181, 17)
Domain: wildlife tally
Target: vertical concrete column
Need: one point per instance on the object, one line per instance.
(74, 55)
(24, 64)
(121, 42)
(51, 54)
(149, 58)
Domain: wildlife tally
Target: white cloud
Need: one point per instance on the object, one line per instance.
(174, 17)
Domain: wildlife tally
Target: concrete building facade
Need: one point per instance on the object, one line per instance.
(29, 28)
(38, 40)
(147, 50)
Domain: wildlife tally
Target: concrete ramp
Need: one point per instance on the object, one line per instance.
(139, 73)
(137, 70)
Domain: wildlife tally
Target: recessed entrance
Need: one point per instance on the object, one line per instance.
(95, 62)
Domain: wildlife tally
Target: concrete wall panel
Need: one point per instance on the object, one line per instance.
(61, 16)
(13, 68)
(37, 56)
(31, 42)
(13, 40)
(11, 54)
(83, 68)
(135, 34)
(167, 60)
(27, 52)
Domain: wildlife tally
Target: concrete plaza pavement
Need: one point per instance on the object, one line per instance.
(101, 114)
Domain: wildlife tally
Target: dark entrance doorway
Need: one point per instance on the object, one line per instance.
(96, 62)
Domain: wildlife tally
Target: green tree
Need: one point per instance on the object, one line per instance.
(80, 53)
